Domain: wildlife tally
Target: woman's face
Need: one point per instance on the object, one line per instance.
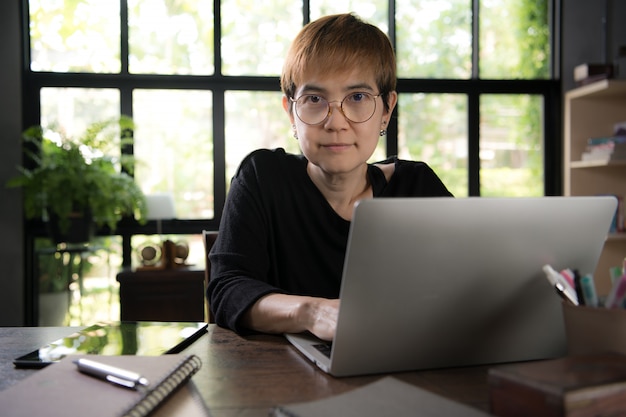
(338, 145)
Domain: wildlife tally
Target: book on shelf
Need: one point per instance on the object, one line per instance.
(582, 385)
(588, 73)
(61, 390)
(388, 396)
(609, 148)
(609, 141)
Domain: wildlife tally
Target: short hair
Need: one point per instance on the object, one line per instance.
(338, 42)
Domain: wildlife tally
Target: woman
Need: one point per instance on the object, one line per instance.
(277, 264)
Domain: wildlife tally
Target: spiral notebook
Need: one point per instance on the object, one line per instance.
(61, 390)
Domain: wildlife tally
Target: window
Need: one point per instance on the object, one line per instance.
(477, 99)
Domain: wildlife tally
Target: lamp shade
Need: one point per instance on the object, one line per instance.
(160, 206)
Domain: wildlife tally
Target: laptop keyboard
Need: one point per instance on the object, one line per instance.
(324, 348)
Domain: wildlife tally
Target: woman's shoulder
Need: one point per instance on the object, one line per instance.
(412, 178)
(402, 166)
(269, 160)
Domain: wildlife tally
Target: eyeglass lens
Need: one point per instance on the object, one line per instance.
(356, 107)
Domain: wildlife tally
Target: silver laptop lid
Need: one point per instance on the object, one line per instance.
(438, 282)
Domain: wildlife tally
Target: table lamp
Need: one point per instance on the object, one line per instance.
(160, 207)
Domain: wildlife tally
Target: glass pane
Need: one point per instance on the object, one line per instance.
(255, 120)
(257, 34)
(433, 128)
(434, 38)
(75, 36)
(514, 39)
(77, 286)
(511, 145)
(71, 110)
(174, 148)
(373, 11)
(170, 36)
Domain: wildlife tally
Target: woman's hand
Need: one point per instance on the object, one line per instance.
(282, 313)
(323, 317)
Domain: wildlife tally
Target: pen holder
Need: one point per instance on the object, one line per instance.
(594, 329)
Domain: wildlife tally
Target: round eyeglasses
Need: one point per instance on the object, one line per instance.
(357, 107)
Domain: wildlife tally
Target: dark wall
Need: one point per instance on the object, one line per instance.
(583, 34)
(11, 241)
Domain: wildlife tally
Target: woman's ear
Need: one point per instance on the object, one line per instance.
(288, 108)
(392, 100)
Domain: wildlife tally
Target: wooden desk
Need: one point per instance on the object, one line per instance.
(244, 377)
(175, 294)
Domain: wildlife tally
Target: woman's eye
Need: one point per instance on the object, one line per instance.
(314, 99)
(356, 97)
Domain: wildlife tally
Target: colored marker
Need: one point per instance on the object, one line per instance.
(617, 294)
(589, 290)
(616, 273)
(569, 276)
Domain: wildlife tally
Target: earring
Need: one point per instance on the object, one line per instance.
(295, 132)
(383, 132)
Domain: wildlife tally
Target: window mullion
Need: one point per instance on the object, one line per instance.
(124, 46)
(475, 38)
(217, 37)
(473, 146)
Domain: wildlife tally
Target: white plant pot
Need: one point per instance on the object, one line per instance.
(53, 308)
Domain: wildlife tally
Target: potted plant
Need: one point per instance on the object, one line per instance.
(83, 180)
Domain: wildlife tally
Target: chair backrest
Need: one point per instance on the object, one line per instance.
(208, 237)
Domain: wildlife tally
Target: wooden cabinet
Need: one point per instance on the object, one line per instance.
(592, 111)
(175, 294)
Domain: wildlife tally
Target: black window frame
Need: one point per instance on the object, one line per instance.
(218, 83)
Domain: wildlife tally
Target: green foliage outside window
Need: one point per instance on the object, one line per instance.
(433, 39)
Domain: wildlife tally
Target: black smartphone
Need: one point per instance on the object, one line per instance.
(117, 338)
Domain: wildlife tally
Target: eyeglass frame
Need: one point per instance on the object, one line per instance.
(374, 96)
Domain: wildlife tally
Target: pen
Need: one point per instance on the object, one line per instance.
(110, 373)
(578, 287)
(561, 290)
(561, 284)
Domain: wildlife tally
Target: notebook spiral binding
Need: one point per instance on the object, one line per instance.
(166, 387)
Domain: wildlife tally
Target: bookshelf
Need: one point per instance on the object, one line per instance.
(591, 111)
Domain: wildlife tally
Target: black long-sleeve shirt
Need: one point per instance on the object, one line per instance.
(278, 233)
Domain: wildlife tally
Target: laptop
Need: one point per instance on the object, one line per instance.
(444, 282)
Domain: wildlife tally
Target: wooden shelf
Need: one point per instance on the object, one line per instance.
(600, 89)
(592, 111)
(596, 164)
(617, 236)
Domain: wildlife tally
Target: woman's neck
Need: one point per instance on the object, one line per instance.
(342, 191)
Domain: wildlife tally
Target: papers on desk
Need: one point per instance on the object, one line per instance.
(386, 397)
(61, 390)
